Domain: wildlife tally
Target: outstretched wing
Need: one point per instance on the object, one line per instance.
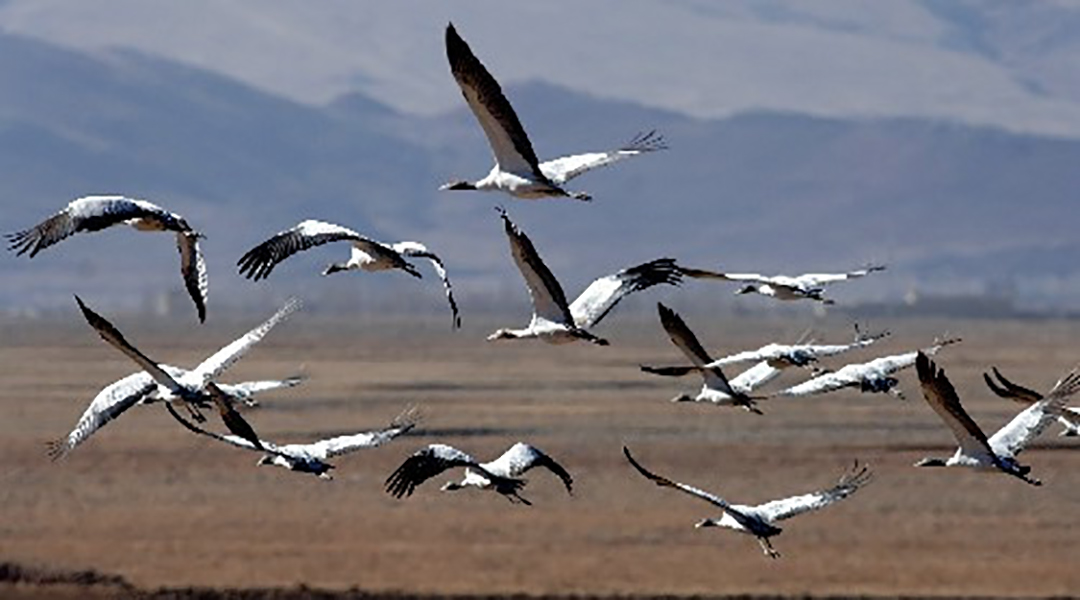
(687, 342)
(520, 458)
(509, 143)
(193, 270)
(260, 261)
(778, 510)
(812, 280)
(218, 362)
(234, 440)
(754, 377)
(109, 404)
(246, 389)
(418, 250)
(682, 487)
(1010, 390)
(604, 293)
(548, 299)
(563, 169)
(942, 397)
(1011, 439)
(706, 274)
(425, 464)
(112, 335)
(343, 444)
(92, 213)
(847, 376)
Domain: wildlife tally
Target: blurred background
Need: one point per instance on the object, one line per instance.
(941, 138)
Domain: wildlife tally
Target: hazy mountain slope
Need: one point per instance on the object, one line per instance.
(991, 62)
(763, 191)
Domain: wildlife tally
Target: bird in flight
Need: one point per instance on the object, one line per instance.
(810, 286)
(875, 376)
(367, 255)
(517, 171)
(556, 321)
(760, 520)
(715, 388)
(140, 388)
(502, 475)
(94, 213)
(996, 454)
(311, 457)
(194, 396)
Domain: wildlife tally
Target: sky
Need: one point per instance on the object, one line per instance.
(1007, 64)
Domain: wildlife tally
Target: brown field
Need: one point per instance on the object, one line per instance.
(150, 502)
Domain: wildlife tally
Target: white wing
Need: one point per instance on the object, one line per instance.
(92, 213)
(1011, 439)
(109, 404)
(603, 294)
(193, 270)
(754, 377)
(765, 352)
(218, 362)
(849, 375)
(260, 261)
(344, 444)
(705, 274)
(811, 280)
(561, 170)
(520, 458)
(548, 299)
(511, 146)
(778, 510)
(246, 389)
(416, 249)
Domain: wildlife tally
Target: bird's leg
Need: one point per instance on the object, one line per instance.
(766, 546)
(194, 412)
(516, 498)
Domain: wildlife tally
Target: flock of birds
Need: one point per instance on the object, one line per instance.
(518, 172)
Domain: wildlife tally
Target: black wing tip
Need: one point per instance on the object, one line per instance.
(56, 449)
(647, 141)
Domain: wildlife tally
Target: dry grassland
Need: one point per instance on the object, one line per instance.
(152, 503)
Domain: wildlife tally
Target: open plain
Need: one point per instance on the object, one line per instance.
(150, 502)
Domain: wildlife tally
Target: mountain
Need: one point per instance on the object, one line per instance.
(762, 191)
(1003, 63)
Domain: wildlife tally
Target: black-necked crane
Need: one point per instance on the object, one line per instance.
(141, 388)
(716, 388)
(517, 170)
(367, 254)
(809, 286)
(94, 213)
(194, 395)
(310, 458)
(502, 475)
(556, 321)
(875, 376)
(997, 453)
(760, 520)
